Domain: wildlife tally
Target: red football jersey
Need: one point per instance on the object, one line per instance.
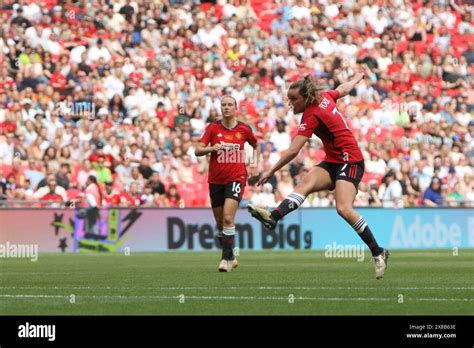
(112, 200)
(228, 164)
(326, 122)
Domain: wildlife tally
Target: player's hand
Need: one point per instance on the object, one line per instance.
(264, 178)
(359, 76)
(216, 147)
(254, 171)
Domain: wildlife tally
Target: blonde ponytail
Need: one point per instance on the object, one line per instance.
(309, 88)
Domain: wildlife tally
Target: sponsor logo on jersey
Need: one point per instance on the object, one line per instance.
(228, 137)
(303, 126)
(230, 146)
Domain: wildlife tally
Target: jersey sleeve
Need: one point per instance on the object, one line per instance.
(206, 137)
(308, 125)
(334, 94)
(251, 139)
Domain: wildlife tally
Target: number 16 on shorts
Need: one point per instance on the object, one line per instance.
(236, 188)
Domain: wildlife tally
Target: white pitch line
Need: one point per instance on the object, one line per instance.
(230, 288)
(251, 298)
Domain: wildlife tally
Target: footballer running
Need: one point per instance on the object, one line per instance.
(341, 170)
(227, 177)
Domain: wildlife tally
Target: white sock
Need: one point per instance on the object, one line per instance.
(360, 225)
(229, 231)
(297, 198)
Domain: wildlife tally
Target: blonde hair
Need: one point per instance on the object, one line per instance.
(309, 88)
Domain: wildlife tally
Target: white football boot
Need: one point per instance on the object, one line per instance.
(263, 215)
(227, 265)
(381, 263)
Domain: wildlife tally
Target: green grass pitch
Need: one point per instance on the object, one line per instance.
(265, 283)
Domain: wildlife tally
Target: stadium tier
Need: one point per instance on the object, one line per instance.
(122, 90)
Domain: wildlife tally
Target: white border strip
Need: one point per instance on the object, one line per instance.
(229, 288)
(251, 298)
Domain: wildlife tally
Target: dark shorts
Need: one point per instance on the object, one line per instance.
(219, 193)
(352, 172)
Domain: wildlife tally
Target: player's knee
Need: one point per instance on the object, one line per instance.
(228, 220)
(343, 210)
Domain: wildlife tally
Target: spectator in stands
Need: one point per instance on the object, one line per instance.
(135, 177)
(111, 196)
(11, 185)
(468, 196)
(455, 198)
(265, 198)
(362, 198)
(280, 137)
(85, 172)
(62, 177)
(33, 174)
(147, 196)
(391, 194)
(322, 199)
(7, 148)
(285, 185)
(432, 196)
(103, 173)
(185, 173)
(376, 165)
(144, 168)
(173, 199)
(156, 185)
(280, 23)
(51, 192)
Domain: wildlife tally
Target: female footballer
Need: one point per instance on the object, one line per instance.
(225, 140)
(342, 169)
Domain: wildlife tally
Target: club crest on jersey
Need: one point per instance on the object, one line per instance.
(238, 135)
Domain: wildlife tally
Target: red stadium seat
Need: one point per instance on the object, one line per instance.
(369, 177)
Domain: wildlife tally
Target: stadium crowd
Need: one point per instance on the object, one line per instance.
(121, 89)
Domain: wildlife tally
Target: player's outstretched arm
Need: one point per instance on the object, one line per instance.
(346, 88)
(295, 147)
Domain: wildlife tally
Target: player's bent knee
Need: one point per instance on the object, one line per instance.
(343, 210)
(228, 220)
